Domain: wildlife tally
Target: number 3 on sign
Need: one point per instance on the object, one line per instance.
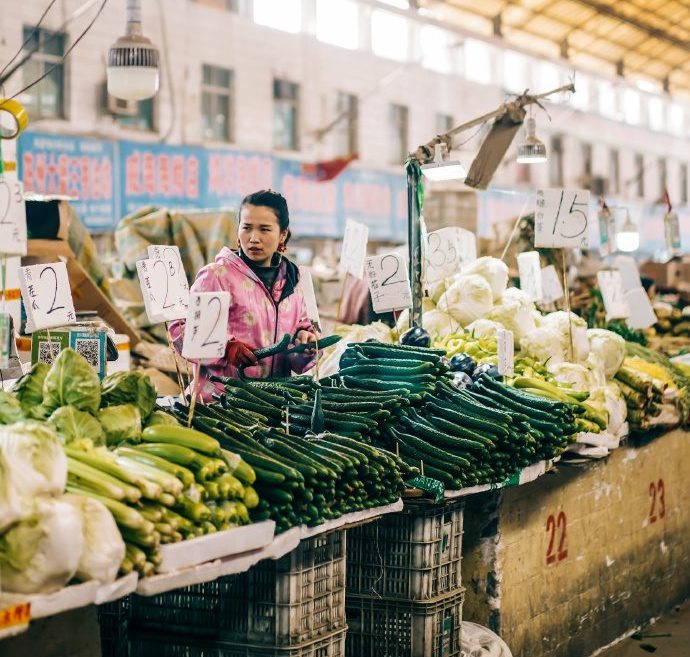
(561, 218)
(206, 330)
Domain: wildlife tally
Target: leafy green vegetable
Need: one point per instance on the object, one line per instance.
(29, 390)
(71, 381)
(161, 417)
(10, 408)
(130, 388)
(77, 428)
(120, 423)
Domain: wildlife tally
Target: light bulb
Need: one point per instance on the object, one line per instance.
(628, 238)
(532, 150)
(441, 169)
(130, 83)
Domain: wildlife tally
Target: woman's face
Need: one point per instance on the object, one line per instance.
(260, 233)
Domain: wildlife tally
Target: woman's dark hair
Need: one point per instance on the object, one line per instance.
(267, 198)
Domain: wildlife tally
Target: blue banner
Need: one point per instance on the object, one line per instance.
(112, 179)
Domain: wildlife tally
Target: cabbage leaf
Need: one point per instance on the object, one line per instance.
(130, 388)
(71, 381)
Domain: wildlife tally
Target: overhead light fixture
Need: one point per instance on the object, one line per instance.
(532, 150)
(441, 169)
(133, 72)
(628, 237)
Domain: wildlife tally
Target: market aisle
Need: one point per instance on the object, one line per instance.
(676, 624)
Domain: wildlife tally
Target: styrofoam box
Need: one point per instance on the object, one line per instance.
(69, 597)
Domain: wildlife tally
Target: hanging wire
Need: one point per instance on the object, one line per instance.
(67, 52)
(28, 38)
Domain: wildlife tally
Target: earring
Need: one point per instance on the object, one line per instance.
(239, 246)
(282, 247)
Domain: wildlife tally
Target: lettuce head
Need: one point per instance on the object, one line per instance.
(120, 423)
(71, 381)
(130, 388)
(29, 390)
(76, 428)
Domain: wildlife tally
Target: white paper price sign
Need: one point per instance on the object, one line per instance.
(672, 230)
(506, 352)
(551, 288)
(12, 217)
(389, 283)
(5, 339)
(607, 232)
(630, 274)
(447, 251)
(529, 267)
(306, 284)
(354, 248)
(206, 329)
(47, 296)
(562, 218)
(171, 281)
(642, 313)
(611, 286)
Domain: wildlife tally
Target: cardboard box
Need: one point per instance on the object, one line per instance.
(46, 345)
(665, 274)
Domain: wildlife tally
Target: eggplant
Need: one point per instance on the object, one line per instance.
(462, 363)
(416, 337)
(461, 380)
(490, 371)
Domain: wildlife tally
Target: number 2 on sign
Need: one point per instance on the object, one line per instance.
(657, 509)
(555, 524)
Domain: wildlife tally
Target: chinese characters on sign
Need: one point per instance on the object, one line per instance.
(561, 218)
(389, 283)
(206, 330)
(47, 296)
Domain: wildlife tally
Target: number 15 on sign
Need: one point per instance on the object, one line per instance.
(206, 329)
(561, 218)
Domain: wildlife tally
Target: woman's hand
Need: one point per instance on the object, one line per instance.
(305, 337)
(240, 354)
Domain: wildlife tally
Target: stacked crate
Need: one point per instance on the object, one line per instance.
(404, 585)
(290, 607)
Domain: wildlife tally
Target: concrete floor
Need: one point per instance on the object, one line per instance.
(676, 623)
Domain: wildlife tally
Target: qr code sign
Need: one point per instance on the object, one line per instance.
(48, 351)
(89, 349)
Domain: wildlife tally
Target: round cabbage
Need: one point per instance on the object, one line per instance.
(467, 299)
(439, 324)
(544, 344)
(493, 271)
(609, 347)
(483, 327)
(515, 312)
(559, 321)
(574, 375)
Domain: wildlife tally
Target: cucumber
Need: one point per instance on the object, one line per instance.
(322, 343)
(277, 495)
(439, 440)
(465, 419)
(273, 349)
(456, 433)
(424, 449)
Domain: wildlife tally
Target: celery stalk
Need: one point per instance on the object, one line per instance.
(125, 516)
(185, 475)
(169, 483)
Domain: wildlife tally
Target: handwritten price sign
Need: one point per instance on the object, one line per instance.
(354, 249)
(12, 217)
(529, 268)
(562, 218)
(551, 288)
(611, 286)
(506, 352)
(47, 296)
(447, 251)
(306, 284)
(389, 283)
(164, 283)
(206, 330)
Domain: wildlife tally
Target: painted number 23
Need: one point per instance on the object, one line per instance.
(556, 525)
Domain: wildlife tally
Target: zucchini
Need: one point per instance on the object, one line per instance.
(270, 477)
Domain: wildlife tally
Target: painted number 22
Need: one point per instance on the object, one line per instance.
(657, 508)
(556, 525)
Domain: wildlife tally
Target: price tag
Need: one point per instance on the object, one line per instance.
(672, 230)
(206, 330)
(506, 352)
(170, 280)
(611, 286)
(5, 339)
(389, 283)
(429, 485)
(306, 284)
(354, 248)
(642, 313)
(530, 274)
(630, 274)
(562, 218)
(551, 288)
(15, 615)
(47, 296)
(12, 217)
(447, 251)
(607, 232)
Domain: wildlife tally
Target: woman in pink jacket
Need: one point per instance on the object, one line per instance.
(265, 302)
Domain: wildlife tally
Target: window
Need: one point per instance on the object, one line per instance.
(587, 161)
(346, 137)
(683, 184)
(631, 106)
(229, 5)
(398, 120)
(639, 173)
(663, 177)
(444, 123)
(337, 23)
(142, 120)
(656, 114)
(607, 100)
(389, 35)
(556, 161)
(614, 171)
(47, 98)
(676, 119)
(581, 98)
(435, 45)
(515, 72)
(478, 61)
(400, 4)
(216, 103)
(285, 115)
(283, 15)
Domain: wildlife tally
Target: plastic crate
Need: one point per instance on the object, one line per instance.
(113, 619)
(170, 645)
(413, 555)
(396, 628)
(297, 598)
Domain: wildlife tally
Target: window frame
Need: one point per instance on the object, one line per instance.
(292, 103)
(45, 60)
(215, 91)
(347, 131)
(399, 121)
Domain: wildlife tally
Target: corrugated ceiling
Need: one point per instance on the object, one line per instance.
(640, 39)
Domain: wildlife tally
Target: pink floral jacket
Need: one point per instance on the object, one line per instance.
(257, 316)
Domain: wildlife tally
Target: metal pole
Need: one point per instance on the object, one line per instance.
(414, 243)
